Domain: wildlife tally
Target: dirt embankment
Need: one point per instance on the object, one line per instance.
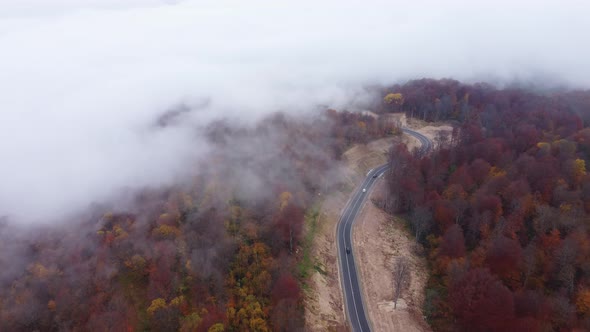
(435, 132)
(378, 240)
(324, 306)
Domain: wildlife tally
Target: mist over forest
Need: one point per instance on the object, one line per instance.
(161, 159)
(91, 78)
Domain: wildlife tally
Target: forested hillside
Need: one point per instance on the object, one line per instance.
(219, 252)
(502, 206)
(501, 209)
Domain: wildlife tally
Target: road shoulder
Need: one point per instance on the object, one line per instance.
(324, 304)
(378, 239)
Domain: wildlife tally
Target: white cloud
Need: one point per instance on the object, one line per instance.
(82, 82)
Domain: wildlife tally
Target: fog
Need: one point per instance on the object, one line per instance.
(83, 84)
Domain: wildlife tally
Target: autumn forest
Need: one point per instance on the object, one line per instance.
(222, 252)
(500, 209)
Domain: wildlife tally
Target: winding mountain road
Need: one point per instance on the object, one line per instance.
(355, 308)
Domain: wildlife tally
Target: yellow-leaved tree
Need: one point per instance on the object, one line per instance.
(284, 198)
(394, 98)
(156, 305)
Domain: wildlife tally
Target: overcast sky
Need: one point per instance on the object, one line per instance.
(82, 82)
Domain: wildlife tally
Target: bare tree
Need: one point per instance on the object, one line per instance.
(442, 139)
(421, 220)
(565, 261)
(547, 217)
(401, 278)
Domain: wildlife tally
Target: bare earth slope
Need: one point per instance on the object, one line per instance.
(324, 307)
(378, 241)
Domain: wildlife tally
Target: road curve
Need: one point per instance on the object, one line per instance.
(353, 299)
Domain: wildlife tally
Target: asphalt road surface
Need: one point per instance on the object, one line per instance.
(355, 308)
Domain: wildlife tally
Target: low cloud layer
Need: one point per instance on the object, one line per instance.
(84, 83)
